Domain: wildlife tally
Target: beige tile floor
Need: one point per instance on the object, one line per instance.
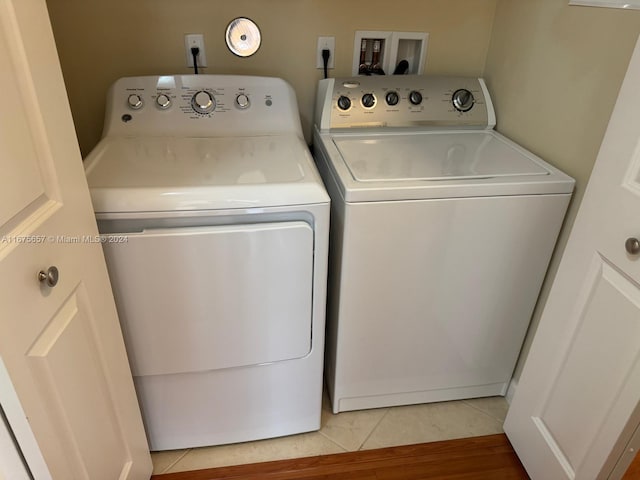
(351, 431)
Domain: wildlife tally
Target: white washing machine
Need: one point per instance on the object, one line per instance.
(215, 230)
(442, 231)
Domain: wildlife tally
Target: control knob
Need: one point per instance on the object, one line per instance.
(135, 101)
(344, 102)
(368, 100)
(392, 98)
(462, 100)
(415, 97)
(203, 102)
(163, 101)
(242, 101)
(632, 246)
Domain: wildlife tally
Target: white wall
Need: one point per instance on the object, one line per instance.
(554, 71)
(101, 40)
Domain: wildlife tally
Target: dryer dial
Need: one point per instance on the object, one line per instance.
(163, 101)
(242, 101)
(135, 101)
(463, 100)
(344, 103)
(203, 102)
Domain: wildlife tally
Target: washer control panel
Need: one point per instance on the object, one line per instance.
(207, 105)
(403, 101)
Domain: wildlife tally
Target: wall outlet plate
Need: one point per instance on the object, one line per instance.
(195, 40)
(328, 43)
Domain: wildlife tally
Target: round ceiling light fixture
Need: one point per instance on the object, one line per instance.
(243, 37)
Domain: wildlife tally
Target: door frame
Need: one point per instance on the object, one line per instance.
(20, 429)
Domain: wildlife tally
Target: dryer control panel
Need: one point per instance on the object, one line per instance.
(403, 101)
(201, 105)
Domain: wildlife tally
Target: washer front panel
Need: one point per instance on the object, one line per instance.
(432, 298)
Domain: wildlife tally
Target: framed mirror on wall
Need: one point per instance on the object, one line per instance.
(628, 4)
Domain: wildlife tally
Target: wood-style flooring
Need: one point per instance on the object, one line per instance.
(490, 457)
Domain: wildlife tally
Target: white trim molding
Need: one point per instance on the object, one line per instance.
(626, 4)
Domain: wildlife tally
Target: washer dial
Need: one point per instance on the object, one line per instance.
(344, 103)
(135, 101)
(203, 102)
(368, 100)
(392, 98)
(463, 100)
(415, 97)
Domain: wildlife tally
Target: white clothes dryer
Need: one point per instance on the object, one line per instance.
(215, 224)
(442, 231)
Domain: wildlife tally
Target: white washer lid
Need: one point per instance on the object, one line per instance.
(448, 156)
(380, 165)
(147, 174)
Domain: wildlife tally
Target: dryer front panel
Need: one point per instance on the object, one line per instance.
(206, 298)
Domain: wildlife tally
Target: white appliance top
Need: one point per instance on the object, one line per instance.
(200, 142)
(445, 156)
(435, 164)
(420, 137)
(140, 174)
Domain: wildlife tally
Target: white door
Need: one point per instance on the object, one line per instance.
(65, 384)
(577, 402)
